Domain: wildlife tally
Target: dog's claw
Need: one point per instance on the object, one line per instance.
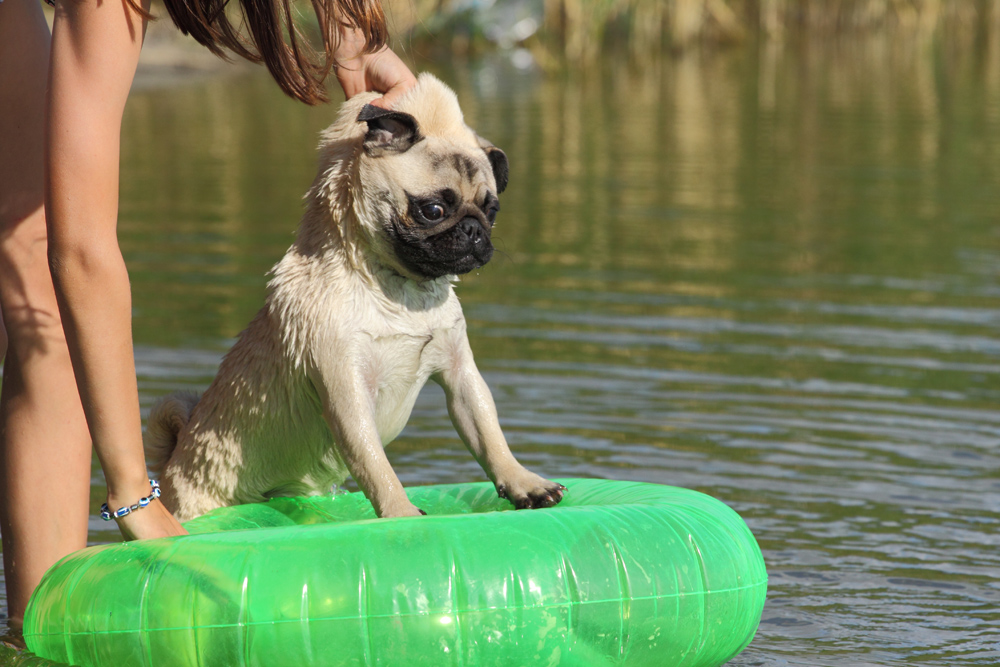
(421, 511)
(533, 494)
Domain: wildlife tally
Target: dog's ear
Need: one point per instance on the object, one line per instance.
(498, 160)
(388, 131)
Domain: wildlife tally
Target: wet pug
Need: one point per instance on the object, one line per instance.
(360, 313)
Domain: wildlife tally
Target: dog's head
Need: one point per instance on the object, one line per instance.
(426, 185)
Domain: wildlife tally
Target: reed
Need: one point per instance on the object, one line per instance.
(577, 31)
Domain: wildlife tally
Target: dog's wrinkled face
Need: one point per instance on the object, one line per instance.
(441, 189)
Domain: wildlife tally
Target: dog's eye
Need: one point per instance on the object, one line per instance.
(491, 214)
(432, 212)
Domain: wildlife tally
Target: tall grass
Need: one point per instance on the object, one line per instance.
(579, 30)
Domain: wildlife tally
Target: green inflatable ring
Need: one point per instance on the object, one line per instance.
(619, 573)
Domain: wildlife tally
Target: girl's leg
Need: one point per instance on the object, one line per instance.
(45, 450)
(94, 54)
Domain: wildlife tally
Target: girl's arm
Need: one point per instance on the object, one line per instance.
(95, 50)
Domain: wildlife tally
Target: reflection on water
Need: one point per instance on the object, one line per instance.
(768, 274)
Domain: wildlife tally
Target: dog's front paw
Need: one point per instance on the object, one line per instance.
(401, 509)
(529, 491)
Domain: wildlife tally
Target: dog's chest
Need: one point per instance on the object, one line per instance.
(394, 369)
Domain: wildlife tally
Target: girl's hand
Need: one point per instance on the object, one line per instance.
(150, 522)
(382, 71)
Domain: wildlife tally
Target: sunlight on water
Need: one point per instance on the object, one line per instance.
(769, 274)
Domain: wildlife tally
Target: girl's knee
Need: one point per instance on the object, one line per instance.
(28, 305)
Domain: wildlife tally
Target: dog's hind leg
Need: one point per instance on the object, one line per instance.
(168, 416)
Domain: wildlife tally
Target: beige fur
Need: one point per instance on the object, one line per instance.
(328, 371)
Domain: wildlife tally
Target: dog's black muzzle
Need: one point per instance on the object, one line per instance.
(432, 253)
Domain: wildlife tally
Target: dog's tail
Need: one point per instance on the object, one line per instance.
(169, 415)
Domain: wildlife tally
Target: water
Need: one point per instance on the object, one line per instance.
(769, 274)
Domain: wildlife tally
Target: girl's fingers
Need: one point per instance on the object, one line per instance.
(394, 93)
(381, 72)
(351, 80)
(389, 75)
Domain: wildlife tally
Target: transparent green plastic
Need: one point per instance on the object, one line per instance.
(619, 573)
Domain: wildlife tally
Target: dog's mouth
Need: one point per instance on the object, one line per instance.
(454, 247)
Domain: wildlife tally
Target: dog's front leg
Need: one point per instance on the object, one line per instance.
(348, 407)
(474, 414)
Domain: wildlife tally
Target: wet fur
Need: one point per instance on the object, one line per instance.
(353, 326)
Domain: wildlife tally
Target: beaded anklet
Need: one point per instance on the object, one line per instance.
(154, 492)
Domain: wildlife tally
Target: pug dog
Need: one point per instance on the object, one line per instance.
(359, 314)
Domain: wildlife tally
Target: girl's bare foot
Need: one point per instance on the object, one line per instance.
(13, 639)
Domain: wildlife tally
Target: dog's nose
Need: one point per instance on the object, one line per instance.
(471, 229)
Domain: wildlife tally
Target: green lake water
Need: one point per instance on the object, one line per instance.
(771, 274)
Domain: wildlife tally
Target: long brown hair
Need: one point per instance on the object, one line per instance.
(294, 63)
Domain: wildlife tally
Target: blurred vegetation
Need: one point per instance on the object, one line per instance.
(869, 156)
(577, 31)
